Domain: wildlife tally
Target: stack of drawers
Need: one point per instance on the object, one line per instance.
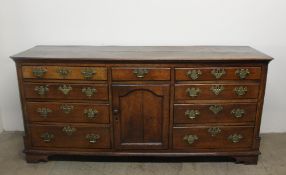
(67, 106)
(215, 107)
(142, 101)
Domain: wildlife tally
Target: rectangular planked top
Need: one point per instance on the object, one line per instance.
(143, 53)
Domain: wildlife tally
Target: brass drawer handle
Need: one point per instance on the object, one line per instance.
(44, 112)
(89, 91)
(39, 72)
(140, 73)
(218, 73)
(193, 92)
(192, 114)
(42, 90)
(66, 108)
(242, 73)
(214, 131)
(69, 130)
(47, 137)
(88, 73)
(217, 89)
(238, 113)
(235, 138)
(65, 89)
(240, 90)
(90, 113)
(63, 72)
(216, 108)
(92, 138)
(194, 74)
(190, 139)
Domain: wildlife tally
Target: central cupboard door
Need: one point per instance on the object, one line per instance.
(141, 116)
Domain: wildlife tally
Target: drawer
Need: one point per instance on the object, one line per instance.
(66, 91)
(67, 112)
(70, 136)
(212, 113)
(64, 72)
(215, 91)
(218, 73)
(209, 137)
(126, 73)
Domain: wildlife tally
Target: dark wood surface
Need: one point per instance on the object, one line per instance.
(125, 74)
(146, 115)
(100, 73)
(76, 140)
(207, 94)
(76, 115)
(75, 93)
(207, 141)
(143, 116)
(206, 73)
(207, 116)
(143, 53)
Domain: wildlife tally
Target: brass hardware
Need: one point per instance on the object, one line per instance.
(42, 90)
(192, 114)
(39, 72)
(214, 131)
(66, 108)
(89, 91)
(44, 112)
(63, 72)
(194, 74)
(92, 138)
(190, 139)
(65, 89)
(217, 89)
(242, 73)
(235, 138)
(140, 73)
(218, 73)
(88, 73)
(193, 92)
(240, 90)
(238, 113)
(47, 137)
(91, 113)
(216, 108)
(69, 130)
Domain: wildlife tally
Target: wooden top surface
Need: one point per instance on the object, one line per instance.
(168, 53)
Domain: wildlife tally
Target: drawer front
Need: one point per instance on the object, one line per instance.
(212, 113)
(218, 73)
(210, 137)
(67, 112)
(70, 136)
(124, 73)
(64, 72)
(66, 91)
(215, 91)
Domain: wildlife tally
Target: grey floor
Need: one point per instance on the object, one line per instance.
(271, 162)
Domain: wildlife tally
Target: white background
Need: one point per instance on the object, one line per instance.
(258, 23)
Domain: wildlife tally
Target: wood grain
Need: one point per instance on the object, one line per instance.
(75, 73)
(111, 53)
